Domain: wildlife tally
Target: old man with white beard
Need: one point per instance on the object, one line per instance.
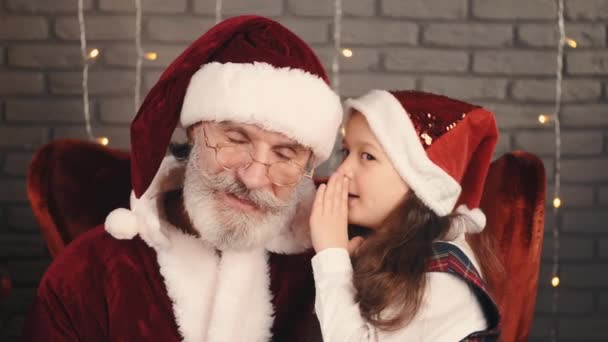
(215, 245)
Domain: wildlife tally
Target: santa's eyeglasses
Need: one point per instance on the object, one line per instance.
(238, 156)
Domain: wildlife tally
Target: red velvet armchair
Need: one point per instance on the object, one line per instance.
(72, 186)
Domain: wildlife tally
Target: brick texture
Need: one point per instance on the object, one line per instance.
(514, 9)
(326, 8)
(546, 35)
(149, 6)
(270, 8)
(42, 6)
(21, 83)
(477, 35)
(367, 32)
(587, 9)
(24, 28)
(544, 91)
(426, 9)
(52, 111)
(534, 63)
(587, 62)
(98, 28)
(427, 60)
(177, 29)
(45, 56)
(16, 164)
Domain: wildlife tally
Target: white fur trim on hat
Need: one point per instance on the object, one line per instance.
(285, 100)
(396, 133)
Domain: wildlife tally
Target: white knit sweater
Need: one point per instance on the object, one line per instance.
(449, 311)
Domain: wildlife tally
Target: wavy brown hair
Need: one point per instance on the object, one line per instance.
(390, 267)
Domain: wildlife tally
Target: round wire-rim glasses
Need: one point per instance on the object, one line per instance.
(232, 157)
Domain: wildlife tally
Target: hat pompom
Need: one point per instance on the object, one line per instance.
(122, 224)
(475, 216)
(469, 221)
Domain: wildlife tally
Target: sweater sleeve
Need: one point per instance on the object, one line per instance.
(449, 310)
(338, 314)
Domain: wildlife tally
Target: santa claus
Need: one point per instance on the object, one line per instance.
(215, 245)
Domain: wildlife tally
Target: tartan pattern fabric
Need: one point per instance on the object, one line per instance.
(449, 258)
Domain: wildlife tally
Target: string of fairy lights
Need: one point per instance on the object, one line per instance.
(87, 57)
(338, 50)
(218, 11)
(140, 56)
(338, 53)
(335, 65)
(554, 119)
(90, 56)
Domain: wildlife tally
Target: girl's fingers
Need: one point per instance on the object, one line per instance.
(337, 199)
(329, 194)
(354, 244)
(344, 202)
(317, 206)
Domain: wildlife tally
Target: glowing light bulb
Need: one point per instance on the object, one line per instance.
(557, 202)
(103, 141)
(555, 281)
(94, 53)
(151, 56)
(571, 42)
(348, 53)
(543, 119)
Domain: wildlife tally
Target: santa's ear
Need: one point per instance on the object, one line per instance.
(190, 131)
(301, 221)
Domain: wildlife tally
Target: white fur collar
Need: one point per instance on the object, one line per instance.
(216, 299)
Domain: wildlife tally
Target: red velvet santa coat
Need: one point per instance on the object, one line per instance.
(168, 286)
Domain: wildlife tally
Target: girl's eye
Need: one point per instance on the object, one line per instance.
(367, 156)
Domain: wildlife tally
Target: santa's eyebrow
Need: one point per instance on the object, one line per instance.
(294, 146)
(230, 127)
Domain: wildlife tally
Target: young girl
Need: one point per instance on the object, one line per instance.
(409, 159)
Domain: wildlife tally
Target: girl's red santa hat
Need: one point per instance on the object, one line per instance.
(441, 147)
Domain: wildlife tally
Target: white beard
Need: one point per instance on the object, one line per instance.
(223, 226)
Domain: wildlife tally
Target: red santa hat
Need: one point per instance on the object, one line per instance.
(441, 147)
(246, 69)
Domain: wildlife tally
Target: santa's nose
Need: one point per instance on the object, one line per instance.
(255, 176)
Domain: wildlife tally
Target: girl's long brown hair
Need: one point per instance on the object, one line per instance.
(390, 267)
